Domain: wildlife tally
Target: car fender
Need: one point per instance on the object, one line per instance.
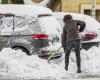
(23, 43)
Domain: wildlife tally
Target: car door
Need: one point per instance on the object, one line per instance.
(3, 41)
(5, 31)
(5, 38)
(1, 27)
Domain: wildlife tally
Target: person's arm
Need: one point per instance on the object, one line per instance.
(82, 25)
(63, 41)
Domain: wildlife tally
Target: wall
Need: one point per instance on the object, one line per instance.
(74, 5)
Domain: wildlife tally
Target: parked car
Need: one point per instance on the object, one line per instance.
(33, 32)
(91, 35)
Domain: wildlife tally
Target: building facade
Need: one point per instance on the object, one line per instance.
(81, 6)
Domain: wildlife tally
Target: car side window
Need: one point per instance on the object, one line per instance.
(6, 22)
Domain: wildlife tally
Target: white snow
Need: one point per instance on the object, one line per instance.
(20, 24)
(24, 9)
(50, 26)
(42, 3)
(18, 64)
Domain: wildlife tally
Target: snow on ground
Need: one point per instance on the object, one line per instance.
(18, 64)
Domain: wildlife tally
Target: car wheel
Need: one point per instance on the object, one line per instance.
(21, 48)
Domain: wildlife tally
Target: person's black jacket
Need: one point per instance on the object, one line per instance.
(71, 30)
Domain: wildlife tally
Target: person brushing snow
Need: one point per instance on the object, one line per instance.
(71, 39)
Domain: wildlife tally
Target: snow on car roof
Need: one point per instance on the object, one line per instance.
(18, 64)
(24, 9)
(42, 3)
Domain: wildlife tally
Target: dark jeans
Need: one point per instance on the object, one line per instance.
(76, 46)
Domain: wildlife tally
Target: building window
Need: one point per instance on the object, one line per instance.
(87, 12)
(98, 15)
(87, 9)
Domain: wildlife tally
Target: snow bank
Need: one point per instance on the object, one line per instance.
(17, 64)
(20, 65)
(91, 60)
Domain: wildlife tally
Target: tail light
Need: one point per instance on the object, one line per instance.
(39, 36)
(91, 35)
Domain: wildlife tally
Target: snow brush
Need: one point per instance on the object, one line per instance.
(53, 53)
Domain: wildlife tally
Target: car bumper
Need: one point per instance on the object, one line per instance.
(88, 45)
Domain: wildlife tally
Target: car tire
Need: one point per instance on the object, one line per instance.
(21, 48)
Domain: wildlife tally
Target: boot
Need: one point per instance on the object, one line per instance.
(79, 71)
(66, 68)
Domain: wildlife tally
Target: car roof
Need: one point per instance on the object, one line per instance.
(24, 9)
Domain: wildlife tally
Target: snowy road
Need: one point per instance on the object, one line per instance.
(71, 77)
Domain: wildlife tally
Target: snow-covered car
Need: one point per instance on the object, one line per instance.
(34, 31)
(91, 35)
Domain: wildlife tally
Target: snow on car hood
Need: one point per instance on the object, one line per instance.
(18, 64)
